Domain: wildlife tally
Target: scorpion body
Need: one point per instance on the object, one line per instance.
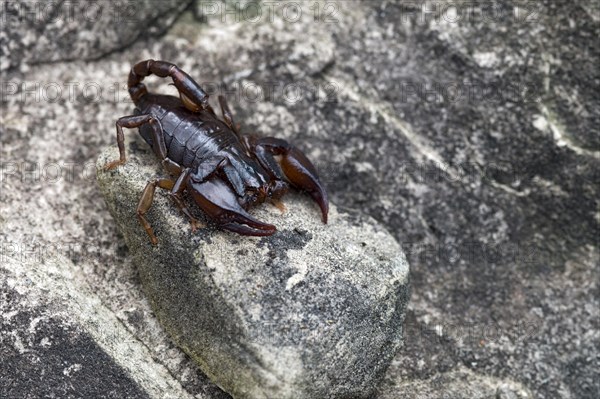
(224, 171)
(193, 137)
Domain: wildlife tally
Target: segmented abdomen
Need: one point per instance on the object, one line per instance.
(189, 137)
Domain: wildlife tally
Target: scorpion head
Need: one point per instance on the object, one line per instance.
(275, 190)
(271, 191)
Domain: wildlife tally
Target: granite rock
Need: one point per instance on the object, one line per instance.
(46, 32)
(493, 194)
(313, 311)
(58, 340)
(460, 383)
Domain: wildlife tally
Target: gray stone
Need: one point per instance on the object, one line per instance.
(460, 383)
(313, 311)
(57, 340)
(44, 32)
(493, 199)
(41, 348)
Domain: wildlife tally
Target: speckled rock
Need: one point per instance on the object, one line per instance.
(460, 383)
(57, 339)
(313, 311)
(493, 197)
(42, 32)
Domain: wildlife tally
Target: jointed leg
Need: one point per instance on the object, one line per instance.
(131, 122)
(228, 115)
(146, 202)
(177, 193)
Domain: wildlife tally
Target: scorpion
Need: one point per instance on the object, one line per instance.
(225, 171)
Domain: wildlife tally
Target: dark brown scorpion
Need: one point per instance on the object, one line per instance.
(224, 171)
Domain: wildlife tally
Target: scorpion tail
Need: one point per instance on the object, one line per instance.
(192, 95)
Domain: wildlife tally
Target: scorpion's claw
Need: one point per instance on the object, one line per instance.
(295, 165)
(302, 174)
(220, 203)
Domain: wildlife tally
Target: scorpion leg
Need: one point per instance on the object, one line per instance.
(158, 139)
(228, 115)
(176, 194)
(295, 165)
(192, 95)
(146, 202)
(134, 121)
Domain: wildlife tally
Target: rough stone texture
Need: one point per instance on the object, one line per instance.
(36, 32)
(313, 311)
(458, 383)
(58, 340)
(503, 249)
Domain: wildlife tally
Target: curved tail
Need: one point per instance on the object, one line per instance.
(192, 95)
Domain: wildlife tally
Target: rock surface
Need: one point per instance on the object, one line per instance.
(493, 196)
(313, 311)
(459, 383)
(46, 32)
(58, 341)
